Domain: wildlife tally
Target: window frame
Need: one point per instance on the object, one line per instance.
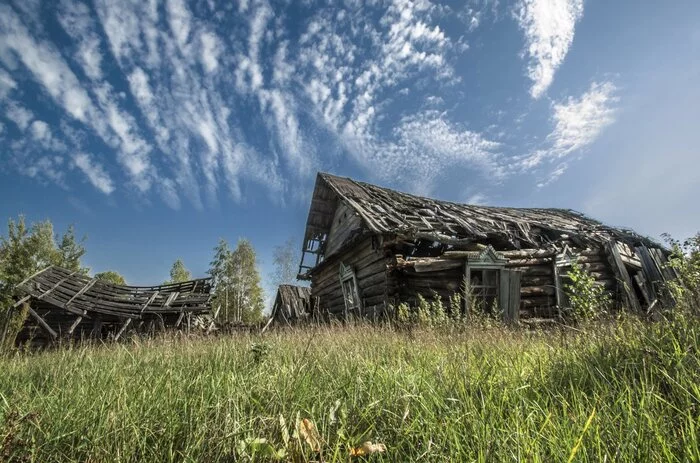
(486, 260)
(347, 275)
(561, 265)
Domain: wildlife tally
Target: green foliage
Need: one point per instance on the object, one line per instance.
(110, 276)
(605, 392)
(433, 313)
(587, 299)
(24, 251)
(237, 282)
(69, 252)
(179, 273)
(685, 260)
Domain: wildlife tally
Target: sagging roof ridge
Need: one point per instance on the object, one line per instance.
(588, 228)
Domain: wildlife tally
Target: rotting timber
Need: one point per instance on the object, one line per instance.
(64, 305)
(293, 304)
(367, 249)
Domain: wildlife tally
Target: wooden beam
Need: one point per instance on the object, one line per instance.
(81, 292)
(622, 275)
(43, 323)
(23, 282)
(149, 301)
(123, 328)
(76, 323)
(21, 301)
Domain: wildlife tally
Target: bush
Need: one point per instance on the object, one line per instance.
(685, 260)
(588, 300)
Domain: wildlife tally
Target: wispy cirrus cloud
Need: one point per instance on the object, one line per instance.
(95, 173)
(193, 101)
(549, 27)
(578, 122)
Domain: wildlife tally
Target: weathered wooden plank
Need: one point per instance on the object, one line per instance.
(43, 323)
(623, 276)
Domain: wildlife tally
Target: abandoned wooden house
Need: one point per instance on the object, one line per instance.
(368, 248)
(70, 305)
(292, 304)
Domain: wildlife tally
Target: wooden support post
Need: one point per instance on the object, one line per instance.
(622, 275)
(43, 323)
(76, 323)
(123, 328)
(179, 319)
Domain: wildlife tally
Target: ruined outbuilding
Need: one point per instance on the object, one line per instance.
(367, 249)
(292, 304)
(66, 305)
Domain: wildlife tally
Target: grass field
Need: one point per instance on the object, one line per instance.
(610, 392)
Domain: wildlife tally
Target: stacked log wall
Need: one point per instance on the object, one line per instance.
(443, 283)
(537, 284)
(370, 265)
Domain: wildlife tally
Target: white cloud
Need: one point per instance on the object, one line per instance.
(211, 48)
(578, 122)
(40, 130)
(45, 64)
(20, 115)
(7, 84)
(76, 20)
(45, 167)
(423, 146)
(549, 27)
(180, 22)
(95, 173)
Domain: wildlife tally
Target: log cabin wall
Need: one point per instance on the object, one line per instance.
(444, 275)
(538, 285)
(443, 282)
(368, 260)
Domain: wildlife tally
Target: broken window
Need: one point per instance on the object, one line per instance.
(562, 266)
(484, 289)
(351, 294)
(492, 288)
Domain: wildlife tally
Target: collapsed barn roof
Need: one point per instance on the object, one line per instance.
(61, 299)
(75, 292)
(386, 211)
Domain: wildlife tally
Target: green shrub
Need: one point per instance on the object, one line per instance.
(685, 261)
(588, 300)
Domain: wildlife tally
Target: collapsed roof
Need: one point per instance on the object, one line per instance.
(60, 300)
(76, 292)
(386, 211)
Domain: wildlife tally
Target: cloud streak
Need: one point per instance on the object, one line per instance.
(578, 122)
(194, 102)
(548, 26)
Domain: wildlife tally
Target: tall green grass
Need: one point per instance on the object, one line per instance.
(611, 392)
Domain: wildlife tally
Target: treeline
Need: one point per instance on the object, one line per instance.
(238, 294)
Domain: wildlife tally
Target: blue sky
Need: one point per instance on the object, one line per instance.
(159, 127)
